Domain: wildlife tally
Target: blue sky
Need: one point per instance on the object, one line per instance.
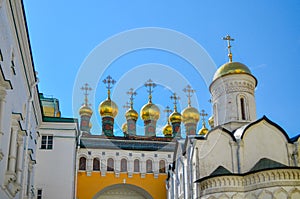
(64, 34)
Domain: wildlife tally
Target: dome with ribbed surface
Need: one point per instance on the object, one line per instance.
(150, 112)
(175, 117)
(108, 108)
(190, 115)
(131, 114)
(231, 68)
(85, 110)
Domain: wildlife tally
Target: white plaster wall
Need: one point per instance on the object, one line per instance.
(214, 152)
(55, 169)
(263, 141)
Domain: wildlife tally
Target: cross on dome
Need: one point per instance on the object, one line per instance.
(203, 114)
(168, 111)
(109, 82)
(175, 98)
(228, 38)
(131, 93)
(189, 93)
(86, 88)
(150, 85)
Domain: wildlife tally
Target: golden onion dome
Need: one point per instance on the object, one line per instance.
(190, 115)
(231, 68)
(150, 112)
(211, 121)
(85, 110)
(125, 127)
(108, 108)
(167, 130)
(131, 114)
(175, 117)
(203, 130)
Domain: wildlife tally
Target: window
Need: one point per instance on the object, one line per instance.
(243, 112)
(96, 164)
(110, 164)
(162, 166)
(82, 163)
(123, 165)
(149, 166)
(47, 142)
(136, 166)
(39, 194)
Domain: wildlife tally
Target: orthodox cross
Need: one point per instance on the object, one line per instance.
(150, 85)
(168, 111)
(189, 93)
(228, 38)
(109, 82)
(131, 93)
(126, 106)
(85, 89)
(203, 115)
(175, 98)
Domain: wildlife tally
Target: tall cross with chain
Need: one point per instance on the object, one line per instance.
(228, 38)
(109, 82)
(131, 93)
(85, 89)
(203, 115)
(168, 111)
(189, 93)
(150, 85)
(175, 98)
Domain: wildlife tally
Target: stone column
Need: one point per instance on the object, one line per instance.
(20, 157)
(2, 107)
(13, 150)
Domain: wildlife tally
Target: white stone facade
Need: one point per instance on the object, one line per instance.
(20, 113)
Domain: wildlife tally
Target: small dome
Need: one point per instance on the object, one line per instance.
(203, 131)
(211, 121)
(90, 125)
(175, 117)
(167, 130)
(150, 112)
(85, 110)
(231, 68)
(131, 114)
(125, 127)
(108, 108)
(190, 115)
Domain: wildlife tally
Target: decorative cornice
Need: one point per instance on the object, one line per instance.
(250, 181)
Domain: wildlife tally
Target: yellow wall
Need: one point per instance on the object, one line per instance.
(89, 186)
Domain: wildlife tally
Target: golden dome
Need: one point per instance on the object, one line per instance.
(131, 114)
(175, 117)
(190, 115)
(108, 108)
(231, 68)
(150, 112)
(211, 121)
(167, 130)
(85, 110)
(125, 127)
(203, 130)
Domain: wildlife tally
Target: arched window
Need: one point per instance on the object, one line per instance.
(123, 165)
(162, 166)
(96, 164)
(136, 166)
(82, 163)
(110, 164)
(149, 166)
(243, 111)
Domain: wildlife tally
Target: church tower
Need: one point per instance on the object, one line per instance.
(232, 92)
(85, 111)
(150, 113)
(190, 115)
(175, 118)
(108, 110)
(131, 115)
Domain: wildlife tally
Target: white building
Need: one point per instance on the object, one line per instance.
(241, 156)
